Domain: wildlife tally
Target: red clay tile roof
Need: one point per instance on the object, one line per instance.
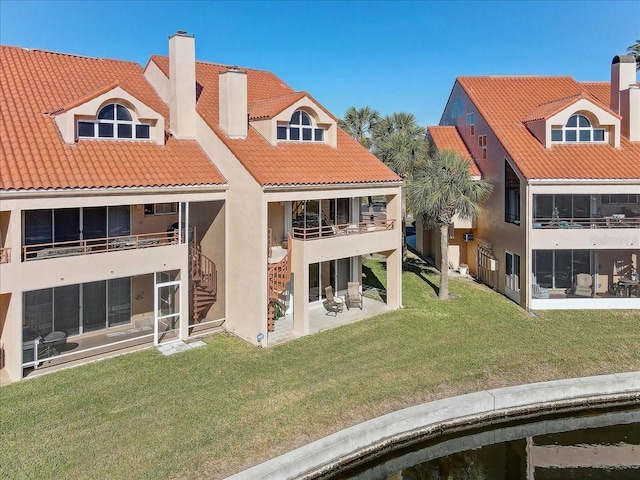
(448, 138)
(504, 102)
(270, 107)
(33, 154)
(548, 109)
(287, 163)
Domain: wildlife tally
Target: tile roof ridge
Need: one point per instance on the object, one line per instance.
(217, 64)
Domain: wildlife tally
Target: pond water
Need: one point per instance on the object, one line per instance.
(591, 445)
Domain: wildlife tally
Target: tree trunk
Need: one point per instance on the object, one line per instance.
(443, 294)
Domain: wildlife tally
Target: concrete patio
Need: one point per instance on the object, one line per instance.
(320, 319)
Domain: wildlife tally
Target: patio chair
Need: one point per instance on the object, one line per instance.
(583, 287)
(354, 296)
(536, 290)
(332, 304)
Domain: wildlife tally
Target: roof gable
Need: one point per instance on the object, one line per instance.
(283, 163)
(36, 157)
(504, 102)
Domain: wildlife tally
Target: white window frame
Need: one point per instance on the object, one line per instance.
(115, 122)
(159, 211)
(300, 126)
(578, 129)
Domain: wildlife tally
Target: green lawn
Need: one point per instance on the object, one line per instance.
(212, 411)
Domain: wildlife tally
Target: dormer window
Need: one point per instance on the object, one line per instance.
(114, 121)
(577, 129)
(301, 127)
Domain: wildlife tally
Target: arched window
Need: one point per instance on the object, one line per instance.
(301, 128)
(114, 121)
(577, 129)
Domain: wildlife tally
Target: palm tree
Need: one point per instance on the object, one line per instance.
(635, 51)
(438, 191)
(359, 124)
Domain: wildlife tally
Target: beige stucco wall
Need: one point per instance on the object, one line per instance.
(491, 225)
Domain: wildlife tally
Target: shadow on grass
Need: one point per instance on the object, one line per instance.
(420, 268)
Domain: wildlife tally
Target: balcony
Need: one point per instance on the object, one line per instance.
(97, 245)
(613, 221)
(352, 228)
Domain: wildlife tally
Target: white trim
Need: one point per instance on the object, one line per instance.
(607, 303)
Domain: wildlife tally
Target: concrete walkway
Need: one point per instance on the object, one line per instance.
(410, 423)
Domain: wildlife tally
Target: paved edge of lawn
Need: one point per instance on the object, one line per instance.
(353, 442)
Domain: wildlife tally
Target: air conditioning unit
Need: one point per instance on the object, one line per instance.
(493, 264)
(468, 237)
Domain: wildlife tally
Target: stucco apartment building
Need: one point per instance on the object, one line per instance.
(140, 205)
(561, 229)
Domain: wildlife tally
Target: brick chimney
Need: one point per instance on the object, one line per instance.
(234, 117)
(625, 95)
(182, 85)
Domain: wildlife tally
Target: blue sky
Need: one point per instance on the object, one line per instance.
(391, 56)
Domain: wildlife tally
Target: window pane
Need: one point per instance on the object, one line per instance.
(581, 262)
(38, 311)
(119, 223)
(583, 122)
(66, 311)
(556, 135)
(94, 306)
(585, 135)
(306, 134)
(562, 268)
(142, 131)
(94, 222)
(563, 204)
(282, 133)
(66, 224)
(86, 129)
(119, 301)
(38, 227)
(543, 206)
(305, 118)
(573, 121)
(294, 134)
(122, 113)
(543, 267)
(105, 130)
(125, 130)
(295, 118)
(319, 135)
(581, 206)
(570, 135)
(106, 113)
(598, 135)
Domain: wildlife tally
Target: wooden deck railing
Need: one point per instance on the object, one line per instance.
(98, 245)
(595, 222)
(353, 228)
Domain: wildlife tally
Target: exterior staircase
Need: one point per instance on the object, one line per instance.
(204, 277)
(279, 275)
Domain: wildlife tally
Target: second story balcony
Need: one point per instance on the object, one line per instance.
(613, 221)
(98, 245)
(578, 211)
(353, 228)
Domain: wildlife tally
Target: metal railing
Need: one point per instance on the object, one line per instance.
(591, 222)
(99, 245)
(353, 228)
